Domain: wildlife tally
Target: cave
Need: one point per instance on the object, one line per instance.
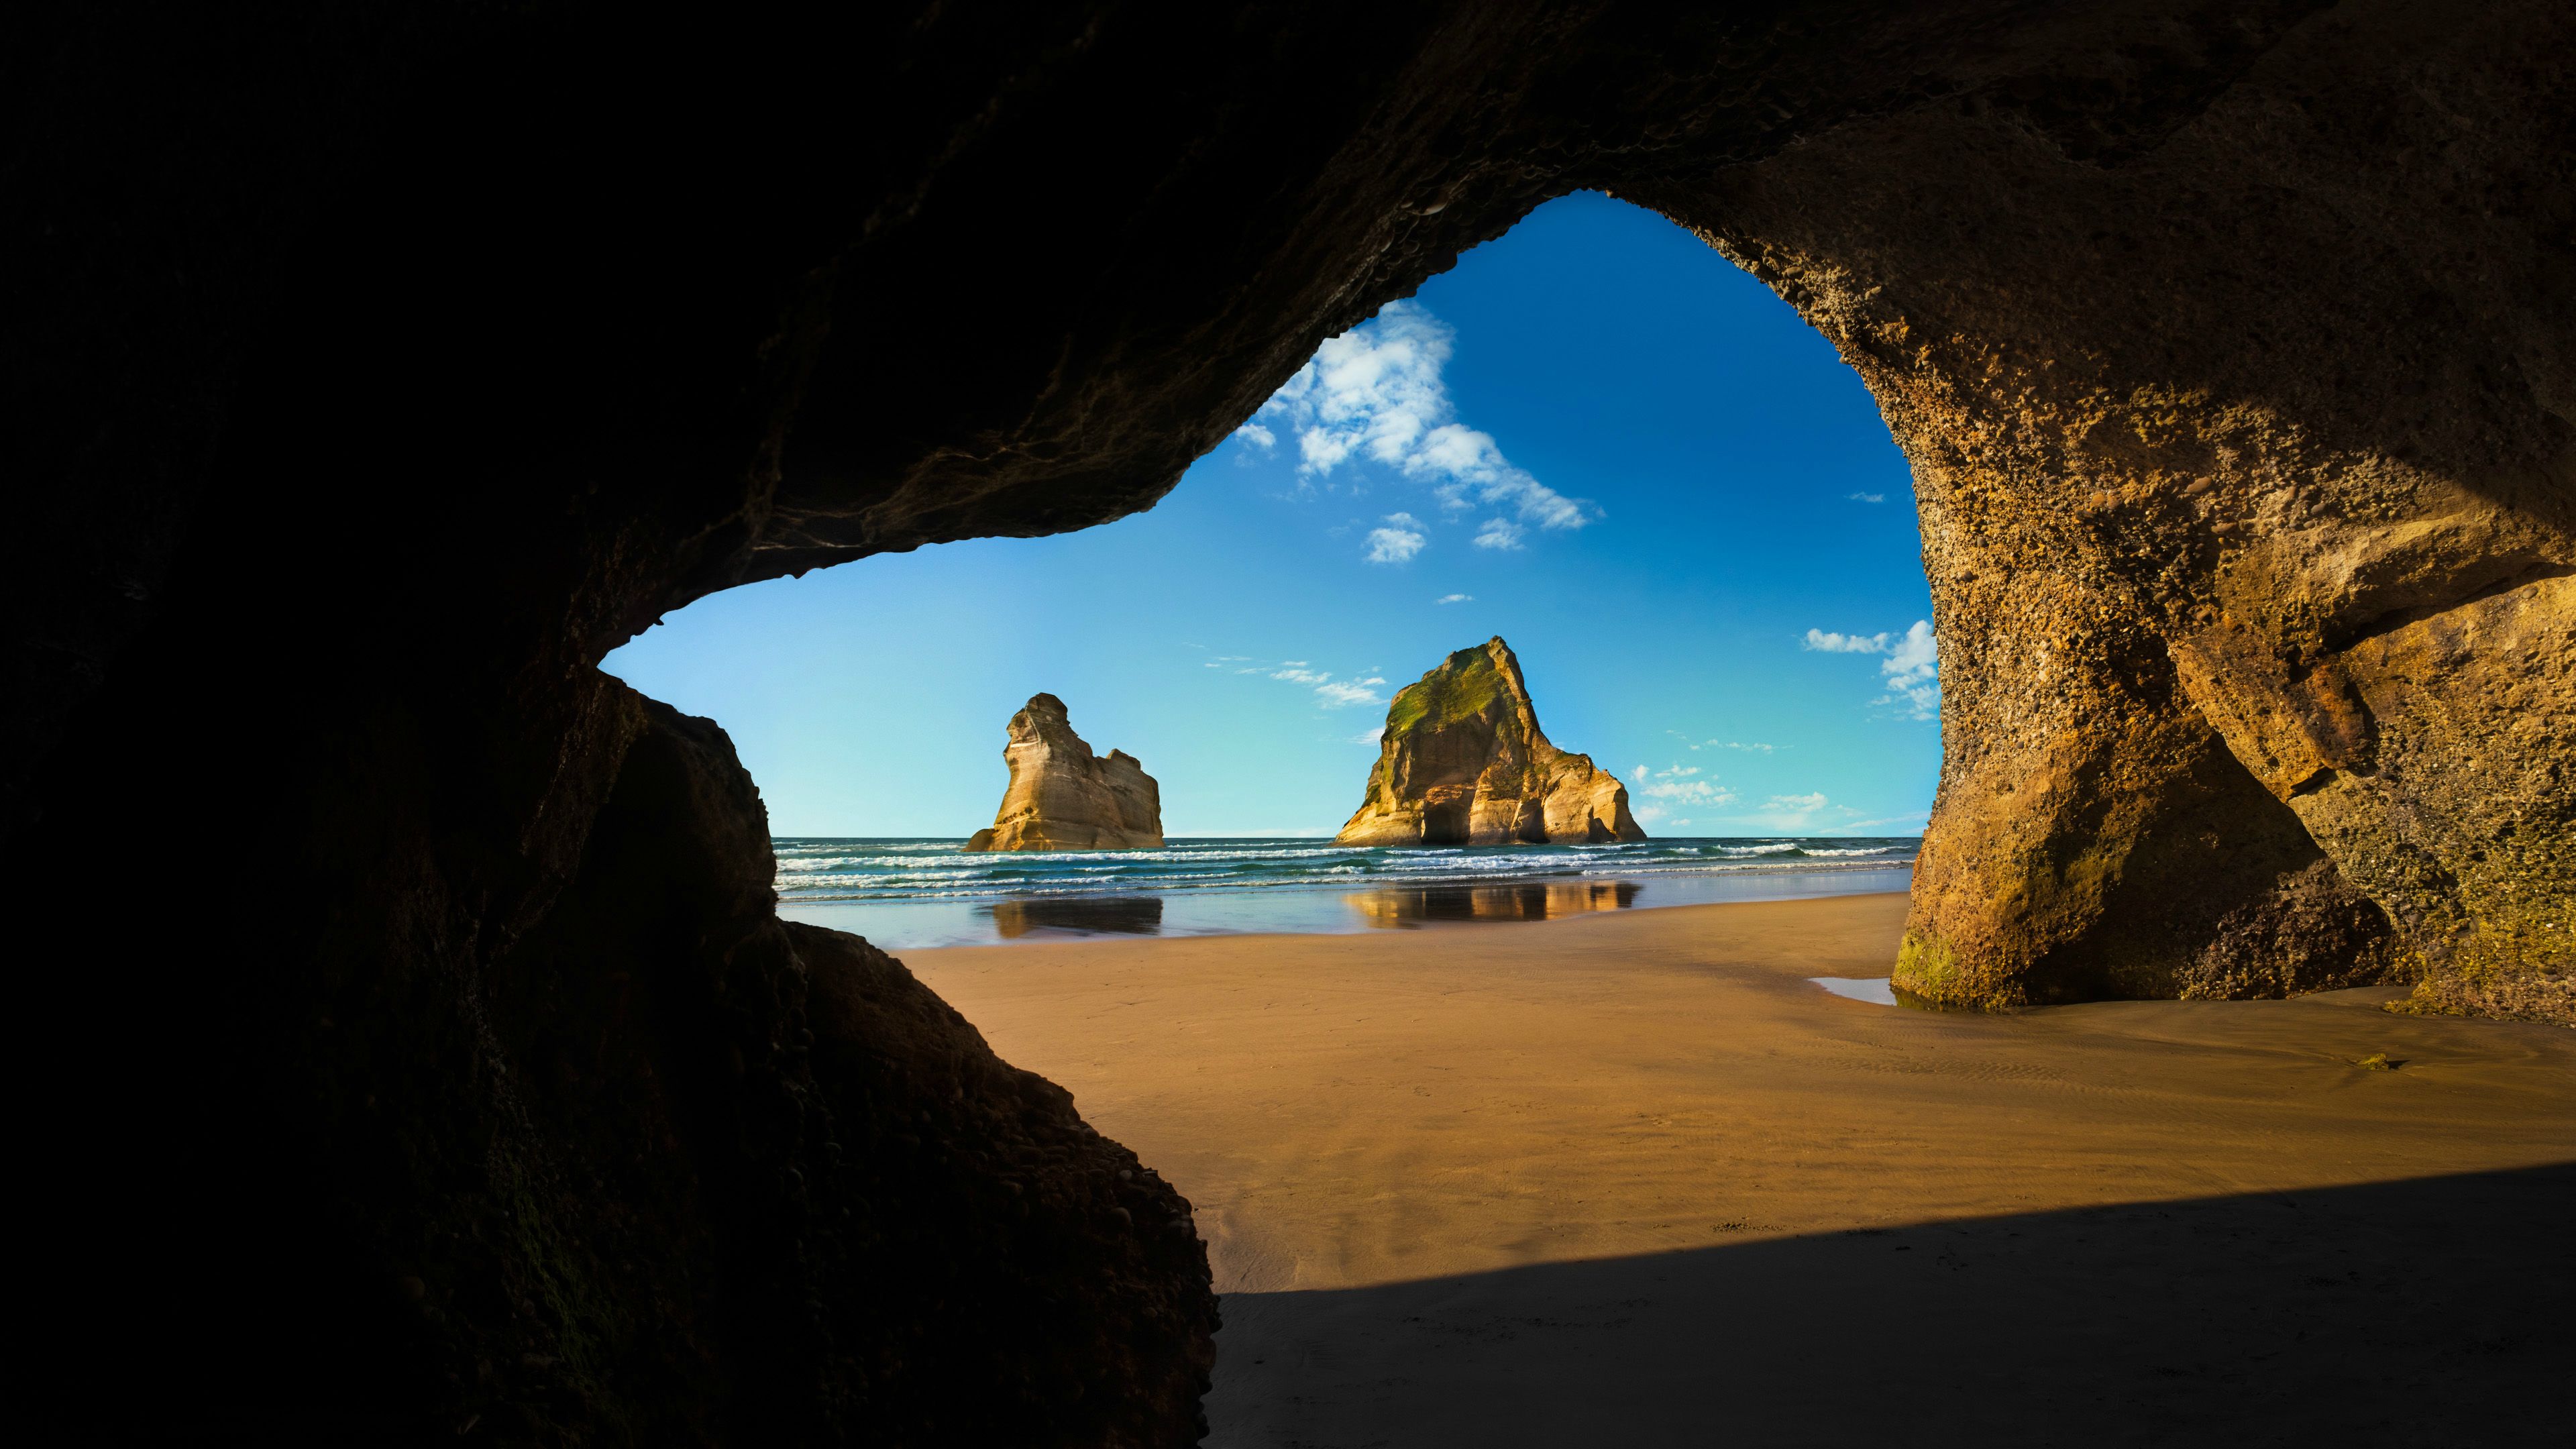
(373, 374)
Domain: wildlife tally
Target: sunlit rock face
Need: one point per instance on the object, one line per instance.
(1463, 762)
(373, 373)
(1064, 797)
(2244, 464)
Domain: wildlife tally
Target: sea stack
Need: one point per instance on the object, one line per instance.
(1064, 797)
(1463, 762)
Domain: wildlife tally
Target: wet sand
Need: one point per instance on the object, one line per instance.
(1633, 1177)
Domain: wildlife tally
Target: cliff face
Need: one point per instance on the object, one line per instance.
(1064, 797)
(1463, 762)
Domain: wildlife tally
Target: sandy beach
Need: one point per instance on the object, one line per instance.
(1632, 1177)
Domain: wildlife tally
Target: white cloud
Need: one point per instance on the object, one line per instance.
(1674, 784)
(1258, 436)
(1818, 639)
(1301, 676)
(1756, 747)
(1689, 792)
(1912, 665)
(1915, 659)
(1375, 393)
(1369, 736)
(1866, 497)
(1339, 695)
(1648, 814)
(1913, 670)
(1795, 815)
(1499, 533)
(1455, 599)
(1398, 541)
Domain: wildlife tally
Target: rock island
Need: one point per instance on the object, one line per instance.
(1463, 762)
(1064, 797)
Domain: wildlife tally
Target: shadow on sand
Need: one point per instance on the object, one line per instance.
(2431, 1312)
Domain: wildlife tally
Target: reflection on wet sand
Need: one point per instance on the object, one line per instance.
(1119, 915)
(1402, 907)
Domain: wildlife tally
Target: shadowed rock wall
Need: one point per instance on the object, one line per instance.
(372, 373)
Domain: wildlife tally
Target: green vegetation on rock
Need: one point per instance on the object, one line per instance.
(1464, 686)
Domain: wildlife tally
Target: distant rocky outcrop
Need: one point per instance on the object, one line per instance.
(1064, 797)
(1463, 762)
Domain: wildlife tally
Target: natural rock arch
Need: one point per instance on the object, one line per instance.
(380, 374)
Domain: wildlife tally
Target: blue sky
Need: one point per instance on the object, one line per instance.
(1594, 436)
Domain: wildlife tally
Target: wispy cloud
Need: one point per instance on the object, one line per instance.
(1754, 747)
(1369, 736)
(1375, 393)
(1808, 814)
(1818, 639)
(1398, 541)
(1255, 435)
(1499, 533)
(1910, 823)
(1338, 694)
(1455, 599)
(1866, 497)
(1690, 792)
(1330, 691)
(1675, 785)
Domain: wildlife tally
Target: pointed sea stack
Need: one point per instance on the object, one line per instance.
(1464, 762)
(1064, 797)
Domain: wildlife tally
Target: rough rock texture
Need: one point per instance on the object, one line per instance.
(2146, 524)
(372, 371)
(1064, 797)
(1463, 762)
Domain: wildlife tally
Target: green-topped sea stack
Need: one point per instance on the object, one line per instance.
(1463, 762)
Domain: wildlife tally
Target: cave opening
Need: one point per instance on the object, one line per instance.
(1594, 437)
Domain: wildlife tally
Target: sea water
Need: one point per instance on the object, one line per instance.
(914, 894)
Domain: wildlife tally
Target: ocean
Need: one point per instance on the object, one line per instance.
(917, 894)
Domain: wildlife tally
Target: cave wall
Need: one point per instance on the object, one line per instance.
(400, 979)
(2228, 426)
